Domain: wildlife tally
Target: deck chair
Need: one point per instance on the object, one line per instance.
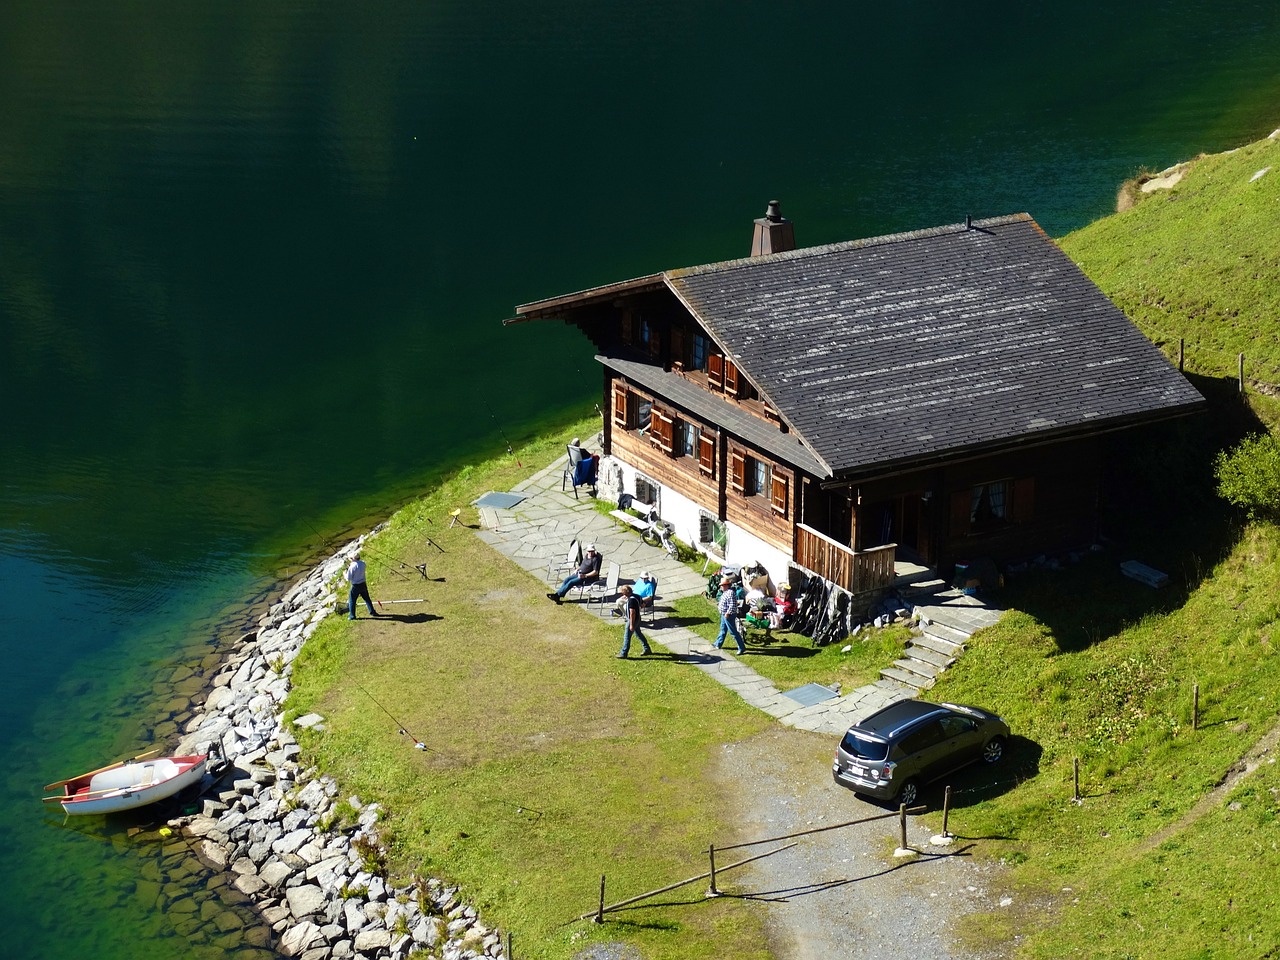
(604, 587)
(577, 471)
(558, 567)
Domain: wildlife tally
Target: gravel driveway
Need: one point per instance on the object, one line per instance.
(842, 893)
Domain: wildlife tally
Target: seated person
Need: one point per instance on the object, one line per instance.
(588, 570)
(645, 589)
(784, 607)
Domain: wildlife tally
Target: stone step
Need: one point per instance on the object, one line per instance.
(919, 589)
(918, 651)
(947, 648)
(904, 677)
(919, 667)
(940, 631)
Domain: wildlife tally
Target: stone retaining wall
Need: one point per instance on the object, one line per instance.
(274, 826)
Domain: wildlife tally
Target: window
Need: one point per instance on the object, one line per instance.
(990, 506)
(687, 439)
(643, 413)
(712, 532)
(758, 478)
(646, 489)
(701, 351)
(988, 503)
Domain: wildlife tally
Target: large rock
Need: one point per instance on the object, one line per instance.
(305, 900)
(367, 941)
(299, 937)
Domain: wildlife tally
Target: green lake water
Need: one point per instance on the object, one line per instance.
(254, 259)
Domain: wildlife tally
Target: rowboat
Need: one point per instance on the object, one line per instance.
(128, 784)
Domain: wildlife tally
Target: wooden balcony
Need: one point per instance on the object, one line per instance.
(856, 572)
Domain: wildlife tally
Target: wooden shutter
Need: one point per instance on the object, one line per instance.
(1023, 496)
(620, 405)
(779, 489)
(662, 431)
(961, 503)
(715, 371)
(730, 378)
(655, 342)
(677, 345)
(738, 470)
(707, 455)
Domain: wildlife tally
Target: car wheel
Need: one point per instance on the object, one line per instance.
(909, 793)
(994, 750)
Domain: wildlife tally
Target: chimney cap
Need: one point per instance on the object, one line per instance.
(774, 213)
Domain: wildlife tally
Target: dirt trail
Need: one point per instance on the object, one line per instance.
(842, 892)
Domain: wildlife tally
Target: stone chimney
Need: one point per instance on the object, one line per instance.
(774, 233)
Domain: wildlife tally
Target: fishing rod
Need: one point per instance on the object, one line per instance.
(404, 732)
(502, 433)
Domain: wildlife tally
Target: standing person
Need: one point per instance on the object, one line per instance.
(633, 623)
(357, 576)
(588, 570)
(729, 617)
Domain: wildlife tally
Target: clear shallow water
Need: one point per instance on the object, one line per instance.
(253, 258)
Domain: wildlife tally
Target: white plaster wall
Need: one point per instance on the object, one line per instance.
(744, 549)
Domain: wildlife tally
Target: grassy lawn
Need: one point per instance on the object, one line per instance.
(549, 763)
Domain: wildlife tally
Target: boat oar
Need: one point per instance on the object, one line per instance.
(109, 766)
(56, 798)
(381, 602)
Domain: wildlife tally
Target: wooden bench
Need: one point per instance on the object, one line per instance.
(629, 519)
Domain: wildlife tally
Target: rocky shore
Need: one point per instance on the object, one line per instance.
(310, 861)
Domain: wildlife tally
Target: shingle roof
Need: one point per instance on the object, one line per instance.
(931, 344)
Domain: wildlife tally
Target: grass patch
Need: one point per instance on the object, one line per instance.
(792, 660)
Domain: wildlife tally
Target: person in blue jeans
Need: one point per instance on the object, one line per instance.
(729, 617)
(588, 570)
(632, 606)
(357, 576)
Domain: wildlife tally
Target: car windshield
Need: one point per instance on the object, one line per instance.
(867, 748)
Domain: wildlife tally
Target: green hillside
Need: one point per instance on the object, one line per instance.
(1172, 845)
(1199, 260)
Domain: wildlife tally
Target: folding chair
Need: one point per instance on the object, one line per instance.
(604, 588)
(559, 569)
(574, 471)
(649, 605)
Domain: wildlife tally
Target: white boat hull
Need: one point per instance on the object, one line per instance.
(132, 785)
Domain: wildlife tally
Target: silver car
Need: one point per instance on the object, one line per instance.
(894, 752)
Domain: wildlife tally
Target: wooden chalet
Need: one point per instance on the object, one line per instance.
(938, 394)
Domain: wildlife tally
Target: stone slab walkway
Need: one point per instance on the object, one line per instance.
(540, 528)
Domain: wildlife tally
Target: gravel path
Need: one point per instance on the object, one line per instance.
(842, 892)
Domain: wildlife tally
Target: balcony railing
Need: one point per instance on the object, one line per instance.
(857, 572)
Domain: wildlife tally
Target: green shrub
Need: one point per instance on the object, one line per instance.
(1249, 476)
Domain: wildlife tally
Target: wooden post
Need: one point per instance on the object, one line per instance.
(1182, 352)
(600, 912)
(902, 823)
(509, 954)
(711, 890)
(1076, 764)
(1240, 372)
(946, 810)
(1195, 706)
